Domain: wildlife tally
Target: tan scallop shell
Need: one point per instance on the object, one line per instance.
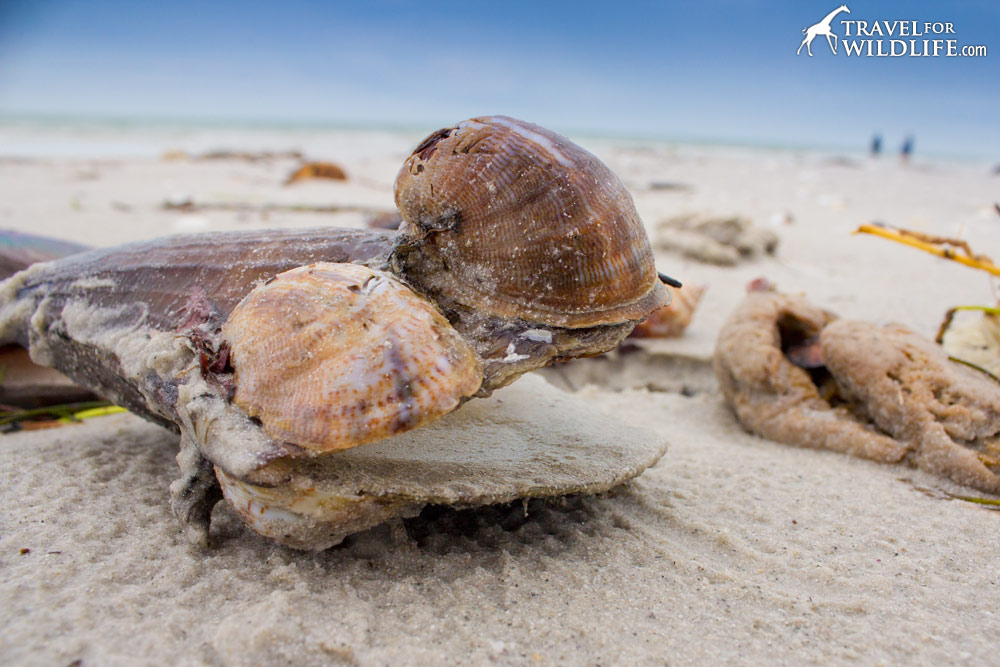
(330, 356)
(672, 320)
(518, 221)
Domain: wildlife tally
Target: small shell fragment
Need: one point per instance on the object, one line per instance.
(314, 170)
(330, 356)
(671, 320)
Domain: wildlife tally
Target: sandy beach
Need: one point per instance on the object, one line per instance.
(731, 549)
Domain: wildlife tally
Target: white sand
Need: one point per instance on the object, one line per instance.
(732, 548)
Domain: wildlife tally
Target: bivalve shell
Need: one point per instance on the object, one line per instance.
(517, 221)
(330, 356)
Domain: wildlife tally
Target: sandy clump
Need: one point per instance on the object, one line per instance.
(796, 374)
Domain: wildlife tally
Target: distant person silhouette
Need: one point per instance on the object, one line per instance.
(906, 150)
(876, 145)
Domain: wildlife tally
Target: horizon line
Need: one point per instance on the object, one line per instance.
(415, 127)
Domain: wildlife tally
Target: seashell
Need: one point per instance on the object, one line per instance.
(314, 170)
(269, 371)
(19, 251)
(331, 356)
(23, 383)
(182, 287)
(673, 319)
(528, 224)
(492, 450)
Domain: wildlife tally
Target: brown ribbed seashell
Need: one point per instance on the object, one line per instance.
(330, 356)
(525, 224)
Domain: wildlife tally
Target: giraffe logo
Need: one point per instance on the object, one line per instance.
(821, 28)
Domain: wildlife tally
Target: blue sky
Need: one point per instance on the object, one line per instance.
(713, 70)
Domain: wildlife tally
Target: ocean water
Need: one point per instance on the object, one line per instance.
(35, 137)
(23, 137)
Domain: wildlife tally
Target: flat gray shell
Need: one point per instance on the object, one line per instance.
(527, 440)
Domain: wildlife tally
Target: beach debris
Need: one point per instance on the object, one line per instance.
(723, 240)
(673, 319)
(225, 154)
(991, 504)
(673, 186)
(954, 249)
(472, 292)
(841, 161)
(779, 218)
(26, 385)
(188, 205)
(19, 250)
(761, 284)
(53, 416)
(881, 392)
(971, 334)
(317, 170)
(386, 220)
(974, 338)
(23, 383)
(773, 397)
